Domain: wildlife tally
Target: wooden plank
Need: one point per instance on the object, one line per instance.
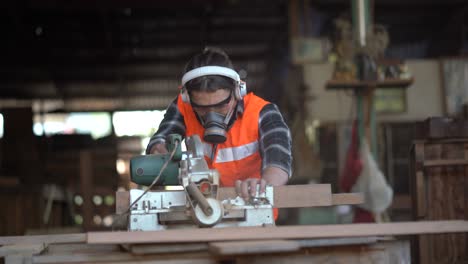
(122, 202)
(279, 232)
(308, 243)
(420, 195)
(86, 187)
(47, 239)
(290, 196)
(362, 85)
(110, 257)
(206, 260)
(446, 200)
(453, 162)
(82, 253)
(253, 247)
(9, 182)
(382, 253)
(81, 248)
(465, 186)
(401, 201)
(18, 259)
(144, 249)
(27, 249)
(347, 198)
(123, 257)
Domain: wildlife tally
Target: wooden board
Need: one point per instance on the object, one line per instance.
(124, 257)
(86, 187)
(360, 85)
(253, 247)
(383, 253)
(47, 239)
(387, 252)
(309, 243)
(287, 196)
(280, 232)
(122, 202)
(278, 246)
(145, 249)
(290, 196)
(347, 198)
(28, 249)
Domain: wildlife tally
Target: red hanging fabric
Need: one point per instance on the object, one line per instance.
(351, 172)
(353, 165)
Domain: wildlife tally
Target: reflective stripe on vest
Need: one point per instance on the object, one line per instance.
(232, 154)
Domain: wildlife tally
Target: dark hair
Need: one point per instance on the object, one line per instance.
(210, 56)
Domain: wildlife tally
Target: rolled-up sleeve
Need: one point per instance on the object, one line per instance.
(275, 139)
(172, 123)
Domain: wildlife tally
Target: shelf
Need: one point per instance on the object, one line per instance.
(389, 83)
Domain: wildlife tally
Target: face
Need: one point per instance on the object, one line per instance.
(220, 101)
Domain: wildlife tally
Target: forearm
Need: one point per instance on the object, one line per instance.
(158, 148)
(275, 145)
(275, 176)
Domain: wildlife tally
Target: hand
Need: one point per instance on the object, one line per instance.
(275, 176)
(248, 188)
(159, 148)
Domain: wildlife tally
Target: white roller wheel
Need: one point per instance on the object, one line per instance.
(205, 220)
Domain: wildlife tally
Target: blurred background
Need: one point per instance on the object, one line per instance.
(84, 84)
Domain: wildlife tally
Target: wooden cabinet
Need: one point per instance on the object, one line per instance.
(439, 187)
(394, 147)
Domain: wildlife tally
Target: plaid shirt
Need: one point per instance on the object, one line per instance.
(274, 135)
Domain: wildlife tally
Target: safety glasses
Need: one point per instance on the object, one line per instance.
(216, 105)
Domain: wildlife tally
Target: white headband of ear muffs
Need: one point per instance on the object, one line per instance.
(239, 92)
(210, 70)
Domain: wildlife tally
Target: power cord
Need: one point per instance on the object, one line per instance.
(119, 216)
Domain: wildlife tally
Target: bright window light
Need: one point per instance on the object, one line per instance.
(98, 124)
(137, 123)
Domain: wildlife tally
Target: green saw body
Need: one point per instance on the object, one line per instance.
(145, 168)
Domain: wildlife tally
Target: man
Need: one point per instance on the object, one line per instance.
(245, 137)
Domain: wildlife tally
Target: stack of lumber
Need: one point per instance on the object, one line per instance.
(347, 243)
(350, 243)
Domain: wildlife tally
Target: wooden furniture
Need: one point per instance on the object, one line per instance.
(439, 185)
(355, 84)
(397, 141)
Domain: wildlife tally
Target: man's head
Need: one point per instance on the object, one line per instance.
(212, 96)
(209, 83)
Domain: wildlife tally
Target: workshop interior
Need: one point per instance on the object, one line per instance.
(374, 92)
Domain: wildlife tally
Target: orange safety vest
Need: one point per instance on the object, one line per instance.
(238, 158)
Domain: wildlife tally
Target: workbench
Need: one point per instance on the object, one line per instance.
(349, 243)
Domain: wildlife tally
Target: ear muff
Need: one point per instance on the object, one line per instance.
(239, 91)
(184, 95)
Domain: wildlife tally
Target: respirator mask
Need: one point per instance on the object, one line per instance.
(216, 125)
